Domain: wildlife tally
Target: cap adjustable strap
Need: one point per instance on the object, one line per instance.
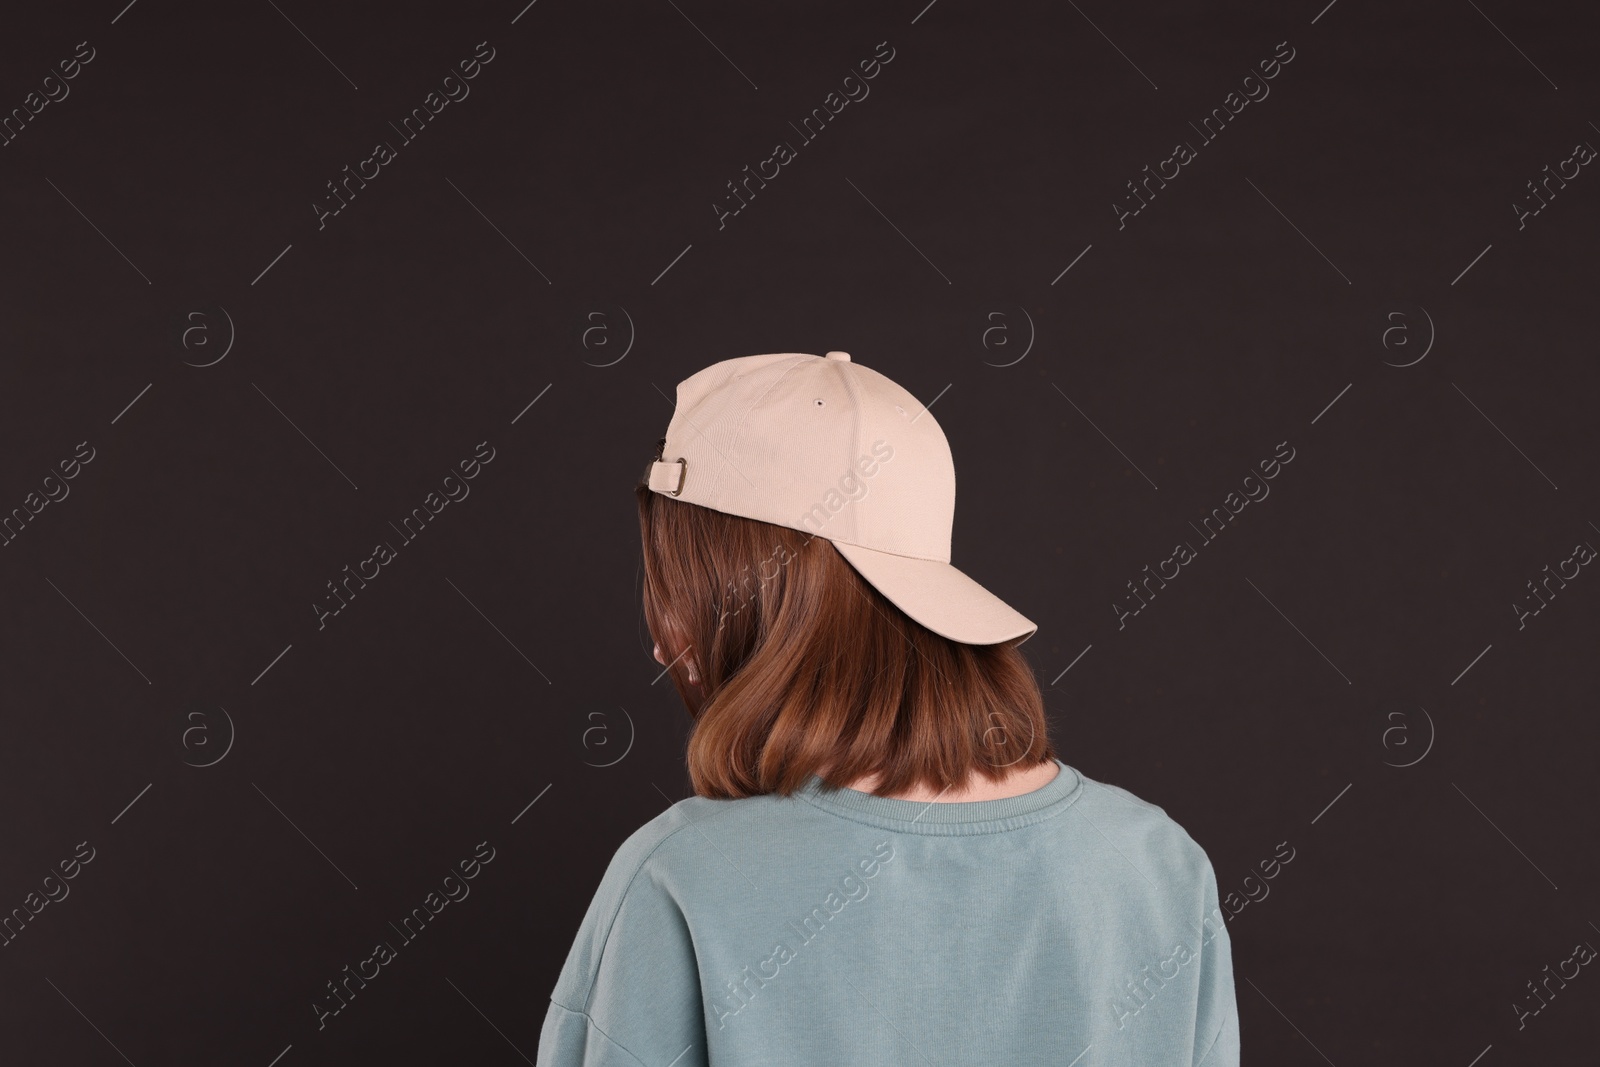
(668, 476)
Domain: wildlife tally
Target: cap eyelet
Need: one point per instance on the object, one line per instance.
(818, 401)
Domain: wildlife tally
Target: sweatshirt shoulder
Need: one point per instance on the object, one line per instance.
(652, 845)
(637, 850)
(1137, 823)
(625, 888)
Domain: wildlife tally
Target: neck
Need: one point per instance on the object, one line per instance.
(1019, 780)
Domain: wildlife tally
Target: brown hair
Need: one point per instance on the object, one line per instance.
(805, 668)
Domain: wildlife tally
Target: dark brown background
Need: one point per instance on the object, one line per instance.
(1361, 611)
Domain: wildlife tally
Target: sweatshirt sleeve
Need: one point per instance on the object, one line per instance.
(629, 992)
(571, 1038)
(1217, 1016)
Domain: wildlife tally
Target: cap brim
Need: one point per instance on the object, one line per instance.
(939, 596)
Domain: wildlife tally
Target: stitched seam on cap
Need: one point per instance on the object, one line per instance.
(886, 552)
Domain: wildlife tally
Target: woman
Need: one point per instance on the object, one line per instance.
(885, 861)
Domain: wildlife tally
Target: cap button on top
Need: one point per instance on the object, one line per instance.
(842, 357)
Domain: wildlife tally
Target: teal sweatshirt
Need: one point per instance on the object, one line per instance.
(1074, 926)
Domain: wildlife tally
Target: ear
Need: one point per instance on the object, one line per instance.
(685, 657)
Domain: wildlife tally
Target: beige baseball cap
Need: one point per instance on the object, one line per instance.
(824, 445)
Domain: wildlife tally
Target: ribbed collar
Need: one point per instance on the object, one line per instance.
(942, 818)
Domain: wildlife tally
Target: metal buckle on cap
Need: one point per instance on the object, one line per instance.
(683, 474)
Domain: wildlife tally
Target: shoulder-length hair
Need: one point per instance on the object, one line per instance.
(804, 668)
